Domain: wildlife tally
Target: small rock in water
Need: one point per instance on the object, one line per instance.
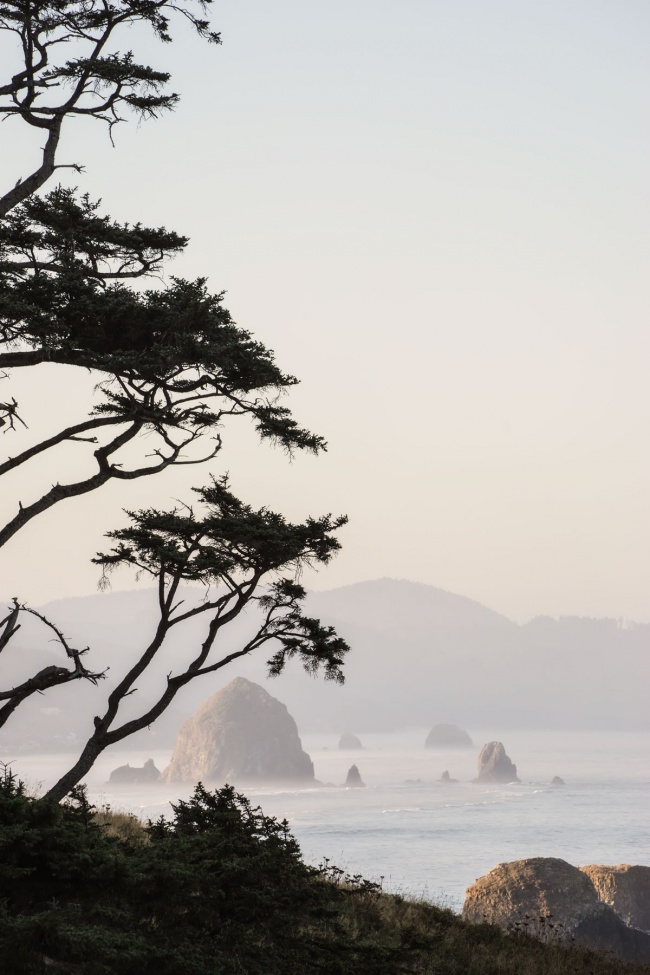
(125, 774)
(348, 740)
(353, 780)
(494, 765)
(557, 780)
(446, 779)
(448, 736)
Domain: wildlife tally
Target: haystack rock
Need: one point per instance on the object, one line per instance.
(626, 888)
(446, 778)
(348, 740)
(448, 736)
(494, 765)
(554, 901)
(557, 780)
(240, 733)
(353, 780)
(125, 774)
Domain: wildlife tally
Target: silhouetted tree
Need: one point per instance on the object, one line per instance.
(67, 66)
(244, 557)
(170, 363)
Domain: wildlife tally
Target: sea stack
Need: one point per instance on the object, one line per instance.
(448, 736)
(240, 734)
(348, 740)
(125, 774)
(494, 765)
(353, 780)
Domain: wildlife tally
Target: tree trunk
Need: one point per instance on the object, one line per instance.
(27, 187)
(94, 747)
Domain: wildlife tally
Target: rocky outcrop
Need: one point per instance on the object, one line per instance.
(240, 734)
(353, 780)
(553, 901)
(494, 765)
(557, 780)
(125, 774)
(626, 888)
(446, 779)
(448, 736)
(348, 740)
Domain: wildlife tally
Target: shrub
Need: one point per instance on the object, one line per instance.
(220, 889)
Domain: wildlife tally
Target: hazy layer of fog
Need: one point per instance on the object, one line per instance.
(435, 213)
(420, 656)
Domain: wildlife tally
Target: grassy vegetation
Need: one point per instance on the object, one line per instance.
(221, 888)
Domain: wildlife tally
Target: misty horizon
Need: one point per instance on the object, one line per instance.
(459, 662)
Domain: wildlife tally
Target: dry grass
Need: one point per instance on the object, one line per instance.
(422, 939)
(124, 825)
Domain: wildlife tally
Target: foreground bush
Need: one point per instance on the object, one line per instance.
(220, 888)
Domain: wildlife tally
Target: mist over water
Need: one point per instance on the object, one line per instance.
(424, 838)
(419, 655)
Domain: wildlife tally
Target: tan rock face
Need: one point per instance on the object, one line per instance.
(626, 888)
(494, 765)
(524, 893)
(241, 733)
(553, 901)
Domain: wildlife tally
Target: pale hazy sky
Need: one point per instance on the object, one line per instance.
(436, 214)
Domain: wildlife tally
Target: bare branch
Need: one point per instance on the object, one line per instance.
(70, 433)
(10, 624)
(10, 411)
(47, 677)
(59, 492)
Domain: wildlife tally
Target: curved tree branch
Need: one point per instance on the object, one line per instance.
(47, 677)
(235, 548)
(70, 433)
(59, 492)
(26, 187)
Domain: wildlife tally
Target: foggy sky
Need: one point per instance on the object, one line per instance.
(436, 215)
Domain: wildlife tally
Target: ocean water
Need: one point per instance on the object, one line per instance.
(419, 836)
